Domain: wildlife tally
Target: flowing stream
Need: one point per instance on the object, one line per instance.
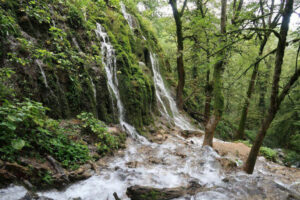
(176, 162)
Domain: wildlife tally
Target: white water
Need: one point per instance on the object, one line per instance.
(94, 88)
(39, 64)
(162, 94)
(156, 165)
(165, 99)
(176, 162)
(127, 16)
(110, 65)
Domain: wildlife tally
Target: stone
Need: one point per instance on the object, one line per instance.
(148, 193)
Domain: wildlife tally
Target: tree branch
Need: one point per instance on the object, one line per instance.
(288, 86)
(183, 8)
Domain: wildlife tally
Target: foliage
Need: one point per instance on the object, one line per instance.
(5, 90)
(38, 10)
(7, 25)
(106, 142)
(291, 157)
(268, 153)
(25, 129)
(224, 130)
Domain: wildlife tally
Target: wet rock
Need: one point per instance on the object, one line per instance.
(155, 160)
(132, 164)
(180, 153)
(28, 185)
(227, 164)
(6, 178)
(191, 133)
(148, 193)
(34, 196)
(82, 173)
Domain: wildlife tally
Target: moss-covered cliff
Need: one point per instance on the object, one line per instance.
(56, 56)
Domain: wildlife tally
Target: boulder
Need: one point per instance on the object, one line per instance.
(148, 193)
(191, 133)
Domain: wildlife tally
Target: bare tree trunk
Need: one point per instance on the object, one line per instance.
(180, 64)
(275, 99)
(240, 134)
(217, 88)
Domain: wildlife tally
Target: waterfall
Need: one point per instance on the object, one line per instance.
(39, 64)
(127, 16)
(160, 89)
(163, 94)
(110, 65)
(94, 88)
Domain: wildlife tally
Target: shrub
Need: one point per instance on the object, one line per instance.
(106, 142)
(25, 129)
(268, 153)
(291, 158)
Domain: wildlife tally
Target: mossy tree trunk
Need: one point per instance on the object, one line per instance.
(214, 119)
(276, 98)
(180, 64)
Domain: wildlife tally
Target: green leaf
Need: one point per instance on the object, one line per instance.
(9, 125)
(18, 144)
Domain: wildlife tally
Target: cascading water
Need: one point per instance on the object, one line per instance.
(174, 163)
(39, 64)
(110, 65)
(94, 88)
(162, 94)
(127, 16)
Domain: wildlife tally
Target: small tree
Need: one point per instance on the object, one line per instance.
(276, 97)
(217, 86)
(180, 64)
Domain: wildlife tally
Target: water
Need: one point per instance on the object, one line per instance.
(39, 64)
(110, 65)
(165, 99)
(127, 16)
(173, 163)
(162, 94)
(148, 165)
(94, 88)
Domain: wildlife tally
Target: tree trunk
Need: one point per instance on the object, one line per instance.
(240, 134)
(208, 94)
(180, 63)
(275, 99)
(217, 87)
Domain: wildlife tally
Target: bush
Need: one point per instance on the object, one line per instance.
(27, 131)
(268, 153)
(295, 142)
(291, 158)
(106, 142)
(224, 130)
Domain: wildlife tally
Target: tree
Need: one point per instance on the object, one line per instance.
(217, 85)
(276, 97)
(263, 38)
(180, 64)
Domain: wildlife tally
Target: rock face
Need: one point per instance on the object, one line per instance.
(57, 60)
